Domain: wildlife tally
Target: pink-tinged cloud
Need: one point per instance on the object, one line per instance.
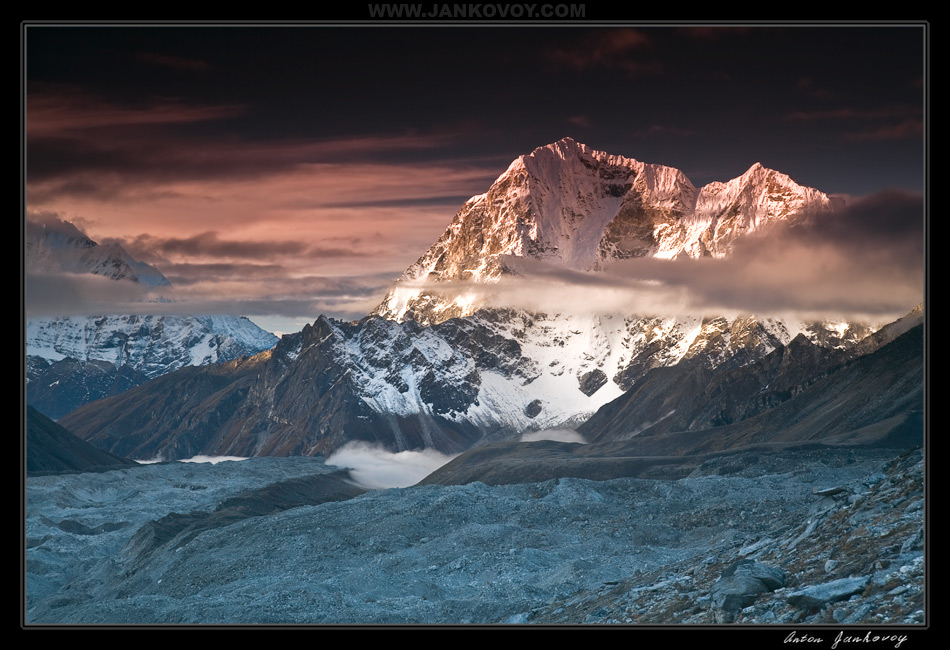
(579, 120)
(65, 112)
(305, 218)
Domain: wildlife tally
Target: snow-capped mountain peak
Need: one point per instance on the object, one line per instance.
(578, 208)
(55, 245)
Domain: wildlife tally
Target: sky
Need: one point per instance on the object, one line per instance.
(281, 172)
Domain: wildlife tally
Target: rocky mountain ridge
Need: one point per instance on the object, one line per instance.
(405, 386)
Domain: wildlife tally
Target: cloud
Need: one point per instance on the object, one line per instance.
(376, 468)
(65, 112)
(907, 130)
(83, 144)
(209, 244)
(185, 204)
(886, 112)
(582, 121)
(807, 86)
(173, 62)
(612, 49)
(212, 460)
(713, 34)
(663, 131)
(893, 122)
(60, 294)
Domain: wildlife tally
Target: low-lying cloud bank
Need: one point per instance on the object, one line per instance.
(376, 468)
(865, 263)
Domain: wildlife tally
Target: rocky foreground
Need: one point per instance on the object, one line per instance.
(854, 557)
(827, 536)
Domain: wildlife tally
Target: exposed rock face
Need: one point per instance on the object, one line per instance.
(56, 388)
(590, 382)
(844, 562)
(740, 584)
(829, 592)
(309, 395)
(798, 392)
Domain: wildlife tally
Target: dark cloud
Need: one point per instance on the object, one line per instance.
(659, 130)
(808, 86)
(908, 130)
(273, 280)
(878, 124)
(885, 112)
(71, 112)
(209, 244)
(86, 145)
(621, 49)
(189, 274)
(865, 259)
(713, 33)
(174, 62)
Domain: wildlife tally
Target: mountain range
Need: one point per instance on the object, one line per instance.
(441, 364)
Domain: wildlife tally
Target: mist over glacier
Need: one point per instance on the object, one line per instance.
(375, 467)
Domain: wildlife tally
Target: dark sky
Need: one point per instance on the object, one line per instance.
(332, 156)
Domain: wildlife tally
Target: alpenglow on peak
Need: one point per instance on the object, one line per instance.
(578, 208)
